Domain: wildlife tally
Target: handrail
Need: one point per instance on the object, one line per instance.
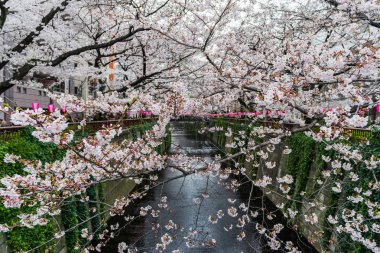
(17, 128)
(295, 124)
(10, 132)
(360, 133)
(11, 128)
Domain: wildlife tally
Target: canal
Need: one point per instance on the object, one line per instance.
(191, 201)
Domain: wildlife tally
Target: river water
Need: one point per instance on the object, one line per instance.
(190, 208)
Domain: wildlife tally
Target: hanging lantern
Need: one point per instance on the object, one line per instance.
(63, 110)
(51, 108)
(35, 106)
(378, 108)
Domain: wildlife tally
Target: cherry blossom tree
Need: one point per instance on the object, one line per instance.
(317, 62)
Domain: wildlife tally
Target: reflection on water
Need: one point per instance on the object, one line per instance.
(188, 208)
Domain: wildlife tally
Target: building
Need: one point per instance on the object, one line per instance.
(20, 96)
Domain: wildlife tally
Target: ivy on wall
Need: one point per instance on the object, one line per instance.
(343, 240)
(94, 209)
(69, 220)
(26, 146)
(73, 212)
(102, 200)
(306, 155)
(332, 201)
(299, 164)
(82, 215)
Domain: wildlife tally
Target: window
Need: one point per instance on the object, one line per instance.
(40, 93)
(24, 90)
(78, 91)
(18, 89)
(59, 87)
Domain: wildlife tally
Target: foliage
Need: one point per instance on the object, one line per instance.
(102, 200)
(82, 215)
(94, 209)
(299, 163)
(19, 239)
(70, 221)
(366, 177)
(28, 147)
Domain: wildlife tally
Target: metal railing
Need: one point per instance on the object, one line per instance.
(10, 132)
(359, 133)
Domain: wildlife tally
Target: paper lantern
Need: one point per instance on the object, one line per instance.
(35, 106)
(378, 108)
(51, 108)
(63, 110)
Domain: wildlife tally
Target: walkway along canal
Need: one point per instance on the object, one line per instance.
(191, 201)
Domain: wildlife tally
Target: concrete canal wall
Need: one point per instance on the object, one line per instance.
(314, 234)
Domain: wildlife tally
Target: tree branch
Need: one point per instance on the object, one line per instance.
(21, 46)
(360, 15)
(21, 72)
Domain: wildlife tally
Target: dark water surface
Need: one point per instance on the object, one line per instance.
(190, 216)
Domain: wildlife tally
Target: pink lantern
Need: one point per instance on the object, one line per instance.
(51, 108)
(63, 110)
(378, 108)
(35, 106)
